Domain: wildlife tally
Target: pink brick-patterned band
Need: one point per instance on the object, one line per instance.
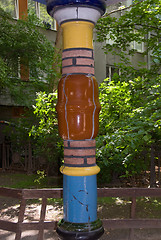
(80, 153)
(77, 61)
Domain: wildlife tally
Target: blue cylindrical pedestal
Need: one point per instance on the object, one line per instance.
(80, 209)
(80, 199)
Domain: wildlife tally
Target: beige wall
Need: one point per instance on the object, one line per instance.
(50, 35)
(100, 62)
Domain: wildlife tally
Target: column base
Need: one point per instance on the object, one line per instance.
(80, 231)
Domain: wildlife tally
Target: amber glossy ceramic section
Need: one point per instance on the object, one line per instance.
(78, 107)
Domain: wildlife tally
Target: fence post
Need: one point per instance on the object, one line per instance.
(132, 215)
(30, 166)
(20, 218)
(3, 157)
(42, 218)
(152, 168)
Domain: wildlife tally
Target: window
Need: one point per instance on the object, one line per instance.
(138, 46)
(10, 6)
(32, 6)
(110, 70)
(109, 40)
(40, 10)
(155, 54)
(46, 18)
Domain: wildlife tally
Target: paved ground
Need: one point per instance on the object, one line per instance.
(109, 235)
(28, 235)
(32, 235)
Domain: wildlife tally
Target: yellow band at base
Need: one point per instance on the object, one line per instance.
(79, 171)
(77, 34)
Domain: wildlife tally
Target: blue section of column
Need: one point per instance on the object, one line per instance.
(80, 199)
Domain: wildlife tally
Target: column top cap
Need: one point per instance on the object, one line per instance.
(53, 5)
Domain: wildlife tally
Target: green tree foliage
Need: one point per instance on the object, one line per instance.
(22, 43)
(140, 23)
(48, 144)
(45, 131)
(130, 119)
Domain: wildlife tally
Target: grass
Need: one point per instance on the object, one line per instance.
(18, 180)
(146, 207)
(21, 181)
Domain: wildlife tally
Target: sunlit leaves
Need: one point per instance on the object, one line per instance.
(46, 113)
(130, 120)
(45, 130)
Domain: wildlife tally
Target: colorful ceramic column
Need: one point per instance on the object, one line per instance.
(78, 112)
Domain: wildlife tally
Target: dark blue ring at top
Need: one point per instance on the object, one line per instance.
(55, 4)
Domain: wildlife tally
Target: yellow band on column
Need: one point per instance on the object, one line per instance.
(78, 34)
(79, 171)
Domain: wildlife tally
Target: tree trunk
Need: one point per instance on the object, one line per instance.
(152, 169)
(159, 158)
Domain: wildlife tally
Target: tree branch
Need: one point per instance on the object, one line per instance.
(121, 9)
(149, 26)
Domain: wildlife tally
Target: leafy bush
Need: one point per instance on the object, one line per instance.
(48, 144)
(130, 121)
